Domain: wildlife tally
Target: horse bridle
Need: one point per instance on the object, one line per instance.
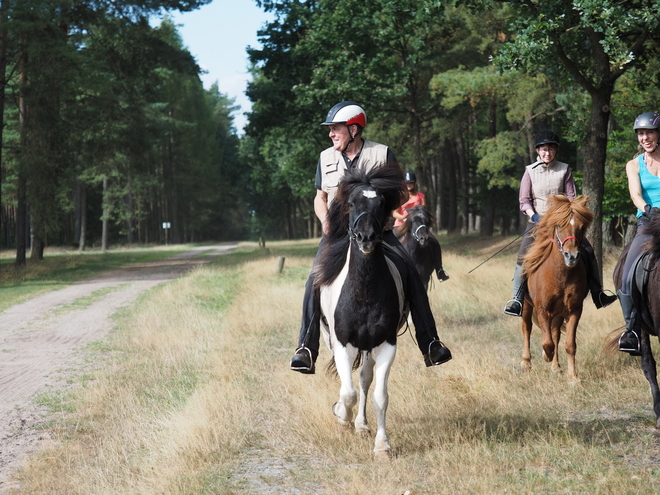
(414, 233)
(351, 233)
(561, 243)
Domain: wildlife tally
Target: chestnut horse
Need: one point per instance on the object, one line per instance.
(556, 279)
(652, 299)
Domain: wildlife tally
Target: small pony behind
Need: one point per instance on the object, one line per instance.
(415, 236)
(556, 280)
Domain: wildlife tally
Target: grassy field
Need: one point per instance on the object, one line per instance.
(194, 396)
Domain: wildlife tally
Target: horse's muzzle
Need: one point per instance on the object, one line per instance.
(571, 259)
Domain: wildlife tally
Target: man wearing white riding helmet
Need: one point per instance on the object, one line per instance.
(345, 121)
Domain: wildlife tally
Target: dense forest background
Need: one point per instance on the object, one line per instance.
(107, 131)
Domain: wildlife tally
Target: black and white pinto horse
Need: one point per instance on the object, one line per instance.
(415, 236)
(361, 293)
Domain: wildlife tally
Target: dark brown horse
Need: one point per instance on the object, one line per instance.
(556, 280)
(415, 236)
(653, 304)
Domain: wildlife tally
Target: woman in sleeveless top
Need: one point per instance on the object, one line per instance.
(544, 178)
(643, 173)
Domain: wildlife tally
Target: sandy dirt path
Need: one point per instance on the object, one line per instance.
(41, 342)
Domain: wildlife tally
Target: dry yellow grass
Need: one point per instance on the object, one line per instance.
(196, 397)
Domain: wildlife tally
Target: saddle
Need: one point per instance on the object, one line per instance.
(639, 290)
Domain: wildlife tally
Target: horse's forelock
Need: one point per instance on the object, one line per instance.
(561, 211)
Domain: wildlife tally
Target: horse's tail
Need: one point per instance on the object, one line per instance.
(611, 346)
(331, 367)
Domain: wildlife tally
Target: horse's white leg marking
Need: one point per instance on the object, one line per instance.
(384, 357)
(344, 358)
(366, 377)
(329, 296)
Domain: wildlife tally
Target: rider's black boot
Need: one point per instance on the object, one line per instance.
(438, 354)
(310, 331)
(629, 340)
(303, 362)
(600, 298)
(514, 306)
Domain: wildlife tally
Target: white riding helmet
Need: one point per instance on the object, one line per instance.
(347, 113)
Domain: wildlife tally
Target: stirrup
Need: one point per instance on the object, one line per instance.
(302, 361)
(627, 346)
(437, 354)
(606, 297)
(510, 308)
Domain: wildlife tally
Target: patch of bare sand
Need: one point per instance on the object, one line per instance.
(41, 342)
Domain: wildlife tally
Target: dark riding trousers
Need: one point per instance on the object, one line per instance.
(636, 248)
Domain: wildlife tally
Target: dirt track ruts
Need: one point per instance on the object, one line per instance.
(41, 340)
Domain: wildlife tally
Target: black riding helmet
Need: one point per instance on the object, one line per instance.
(647, 120)
(410, 176)
(546, 136)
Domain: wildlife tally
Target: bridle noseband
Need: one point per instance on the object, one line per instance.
(561, 243)
(414, 233)
(351, 232)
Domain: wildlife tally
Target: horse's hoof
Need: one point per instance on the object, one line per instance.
(657, 423)
(383, 455)
(362, 430)
(525, 366)
(343, 419)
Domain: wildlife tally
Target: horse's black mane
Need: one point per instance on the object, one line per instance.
(386, 180)
(418, 211)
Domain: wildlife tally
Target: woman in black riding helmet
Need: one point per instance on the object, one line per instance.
(541, 179)
(643, 173)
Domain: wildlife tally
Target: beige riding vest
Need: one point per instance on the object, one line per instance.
(546, 181)
(333, 165)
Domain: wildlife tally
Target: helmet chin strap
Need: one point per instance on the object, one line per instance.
(350, 141)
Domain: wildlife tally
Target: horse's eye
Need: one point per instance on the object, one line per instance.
(350, 204)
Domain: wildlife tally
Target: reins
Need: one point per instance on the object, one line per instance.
(351, 232)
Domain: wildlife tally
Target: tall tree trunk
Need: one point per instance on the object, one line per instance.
(106, 215)
(464, 182)
(83, 217)
(77, 213)
(488, 219)
(21, 192)
(452, 174)
(595, 152)
(3, 82)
